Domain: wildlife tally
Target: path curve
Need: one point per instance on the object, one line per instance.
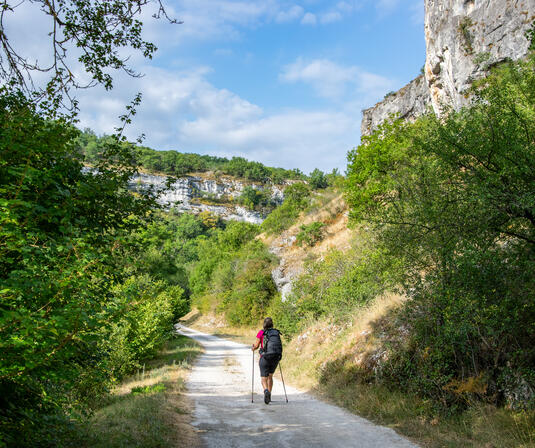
(220, 387)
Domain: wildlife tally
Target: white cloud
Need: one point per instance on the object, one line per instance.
(373, 84)
(341, 10)
(184, 111)
(386, 6)
(290, 15)
(327, 78)
(330, 17)
(221, 19)
(309, 19)
(334, 81)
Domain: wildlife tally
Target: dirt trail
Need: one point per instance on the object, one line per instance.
(220, 387)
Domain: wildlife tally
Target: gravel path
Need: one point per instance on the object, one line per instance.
(220, 387)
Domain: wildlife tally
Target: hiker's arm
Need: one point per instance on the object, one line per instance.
(256, 344)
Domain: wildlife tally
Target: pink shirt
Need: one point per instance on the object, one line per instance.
(260, 336)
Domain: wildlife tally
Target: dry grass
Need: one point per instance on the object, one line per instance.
(324, 342)
(149, 409)
(329, 208)
(482, 426)
(325, 357)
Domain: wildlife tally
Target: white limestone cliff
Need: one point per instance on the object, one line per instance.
(463, 39)
(183, 195)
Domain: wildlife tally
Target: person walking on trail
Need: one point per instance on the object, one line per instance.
(269, 341)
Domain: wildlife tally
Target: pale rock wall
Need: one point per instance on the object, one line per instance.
(185, 189)
(409, 103)
(463, 39)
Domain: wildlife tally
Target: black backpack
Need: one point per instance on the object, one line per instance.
(272, 343)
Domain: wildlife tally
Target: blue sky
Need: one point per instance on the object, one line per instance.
(278, 81)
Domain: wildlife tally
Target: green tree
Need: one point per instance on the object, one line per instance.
(60, 231)
(454, 199)
(296, 199)
(98, 29)
(317, 179)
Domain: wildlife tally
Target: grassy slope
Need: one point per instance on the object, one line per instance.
(327, 207)
(148, 410)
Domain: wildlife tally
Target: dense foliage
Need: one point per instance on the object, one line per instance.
(233, 275)
(78, 308)
(310, 234)
(335, 286)
(318, 179)
(296, 199)
(257, 199)
(453, 199)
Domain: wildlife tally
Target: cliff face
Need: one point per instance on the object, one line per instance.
(196, 194)
(463, 39)
(409, 102)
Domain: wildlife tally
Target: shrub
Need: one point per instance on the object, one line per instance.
(317, 179)
(296, 198)
(252, 291)
(335, 286)
(311, 234)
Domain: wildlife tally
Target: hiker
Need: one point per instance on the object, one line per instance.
(270, 354)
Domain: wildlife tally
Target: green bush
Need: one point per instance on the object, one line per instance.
(281, 218)
(252, 288)
(150, 309)
(318, 179)
(257, 199)
(233, 275)
(335, 286)
(310, 234)
(296, 199)
(286, 316)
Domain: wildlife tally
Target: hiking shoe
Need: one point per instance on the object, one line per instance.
(267, 396)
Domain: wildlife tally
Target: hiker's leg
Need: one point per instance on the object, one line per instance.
(264, 372)
(269, 382)
(265, 382)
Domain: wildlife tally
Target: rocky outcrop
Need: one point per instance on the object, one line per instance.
(409, 103)
(191, 194)
(292, 257)
(285, 272)
(463, 39)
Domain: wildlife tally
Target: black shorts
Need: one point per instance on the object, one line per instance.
(268, 365)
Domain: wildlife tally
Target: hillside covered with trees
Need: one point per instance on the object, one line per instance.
(174, 163)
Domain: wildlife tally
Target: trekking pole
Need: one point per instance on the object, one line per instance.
(252, 382)
(283, 383)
